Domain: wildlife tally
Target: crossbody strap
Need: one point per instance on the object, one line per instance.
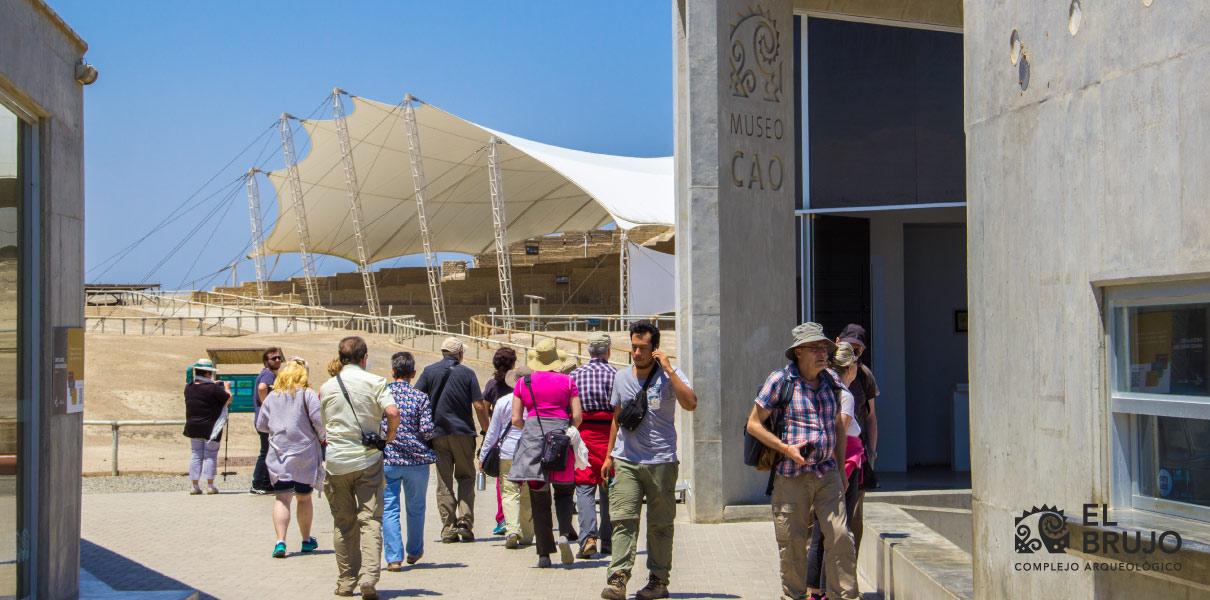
(535, 399)
(307, 413)
(647, 384)
(345, 393)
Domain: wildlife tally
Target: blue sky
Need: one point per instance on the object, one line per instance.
(185, 86)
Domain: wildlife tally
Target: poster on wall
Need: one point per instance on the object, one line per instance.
(67, 378)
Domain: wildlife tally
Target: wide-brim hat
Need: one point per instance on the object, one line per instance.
(546, 356)
(805, 334)
(854, 334)
(204, 364)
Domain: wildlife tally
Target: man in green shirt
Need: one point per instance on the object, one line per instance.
(354, 482)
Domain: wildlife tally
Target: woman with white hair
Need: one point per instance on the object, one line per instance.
(291, 417)
(205, 399)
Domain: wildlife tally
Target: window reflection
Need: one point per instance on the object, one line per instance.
(1174, 459)
(1165, 350)
(10, 219)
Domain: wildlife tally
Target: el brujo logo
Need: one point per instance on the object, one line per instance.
(1042, 527)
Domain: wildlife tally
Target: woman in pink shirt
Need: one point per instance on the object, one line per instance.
(545, 401)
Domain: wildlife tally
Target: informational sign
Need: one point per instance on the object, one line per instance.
(531, 249)
(67, 377)
(562, 279)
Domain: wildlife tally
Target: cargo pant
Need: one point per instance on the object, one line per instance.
(356, 502)
(656, 484)
(794, 501)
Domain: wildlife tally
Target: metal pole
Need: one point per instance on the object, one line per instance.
(624, 275)
(504, 266)
(258, 259)
(420, 184)
(300, 211)
(113, 454)
(354, 190)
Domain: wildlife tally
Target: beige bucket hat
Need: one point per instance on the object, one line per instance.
(805, 334)
(546, 356)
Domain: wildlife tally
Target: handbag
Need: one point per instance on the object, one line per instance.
(633, 412)
(490, 465)
(554, 443)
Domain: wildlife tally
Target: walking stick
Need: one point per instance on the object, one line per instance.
(226, 447)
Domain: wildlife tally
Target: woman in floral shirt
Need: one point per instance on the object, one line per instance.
(406, 461)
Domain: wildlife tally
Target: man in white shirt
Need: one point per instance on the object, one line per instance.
(352, 403)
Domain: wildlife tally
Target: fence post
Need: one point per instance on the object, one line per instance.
(113, 455)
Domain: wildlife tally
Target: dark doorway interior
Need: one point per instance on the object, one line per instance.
(934, 279)
(842, 274)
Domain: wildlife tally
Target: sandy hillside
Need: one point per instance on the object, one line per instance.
(137, 377)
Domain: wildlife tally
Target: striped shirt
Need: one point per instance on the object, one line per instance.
(595, 381)
(810, 417)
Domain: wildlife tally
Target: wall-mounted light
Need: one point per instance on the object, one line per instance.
(85, 73)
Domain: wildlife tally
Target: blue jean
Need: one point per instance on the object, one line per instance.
(415, 480)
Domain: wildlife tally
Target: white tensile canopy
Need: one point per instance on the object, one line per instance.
(547, 189)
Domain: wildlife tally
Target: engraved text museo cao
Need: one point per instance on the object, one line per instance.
(749, 170)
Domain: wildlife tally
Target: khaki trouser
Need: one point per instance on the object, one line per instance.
(794, 499)
(631, 483)
(356, 502)
(518, 517)
(455, 463)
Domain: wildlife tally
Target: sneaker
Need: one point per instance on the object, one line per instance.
(257, 491)
(310, 544)
(615, 586)
(499, 530)
(195, 491)
(544, 562)
(512, 542)
(565, 551)
(369, 593)
(413, 559)
(654, 589)
(279, 551)
(464, 532)
(588, 548)
(211, 490)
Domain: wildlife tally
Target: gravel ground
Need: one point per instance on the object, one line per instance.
(161, 482)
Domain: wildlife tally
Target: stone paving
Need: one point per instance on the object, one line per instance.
(221, 545)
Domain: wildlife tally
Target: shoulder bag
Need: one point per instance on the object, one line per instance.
(554, 443)
(490, 465)
(633, 412)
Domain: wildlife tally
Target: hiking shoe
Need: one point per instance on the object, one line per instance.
(463, 530)
(588, 548)
(310, 544)
(654, 589)
(499, 530)
(565, 551)
(544, 561)
(369, 593)
(279, 551)
(512, 542)
(615, 586)
(449, 537)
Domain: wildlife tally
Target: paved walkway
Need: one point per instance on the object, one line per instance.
(221, 545)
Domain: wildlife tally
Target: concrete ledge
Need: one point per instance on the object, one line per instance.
(955, 524)
(902, 558)
(935, 498)
(92, 588)
(738, 513)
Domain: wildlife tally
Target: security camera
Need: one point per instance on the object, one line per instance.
(85, 73)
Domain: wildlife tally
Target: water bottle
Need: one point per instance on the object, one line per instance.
(480, 481)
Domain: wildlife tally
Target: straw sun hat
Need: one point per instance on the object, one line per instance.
(545, 357)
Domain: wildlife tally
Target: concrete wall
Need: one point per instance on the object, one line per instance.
(735, 188)
(1096, 170)
(37, 61)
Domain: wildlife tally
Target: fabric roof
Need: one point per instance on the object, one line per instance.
(547, 189)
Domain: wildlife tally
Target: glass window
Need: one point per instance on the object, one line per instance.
(1160, 393)
(11, 193)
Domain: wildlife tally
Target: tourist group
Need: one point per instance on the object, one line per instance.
(555, 435)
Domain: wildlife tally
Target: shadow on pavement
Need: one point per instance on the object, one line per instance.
(124, 574)
(425, 566)
(406, 593)
(699, 595)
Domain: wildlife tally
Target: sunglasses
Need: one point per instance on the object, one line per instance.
(278, 358)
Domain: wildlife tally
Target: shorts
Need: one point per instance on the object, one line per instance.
(290, 486)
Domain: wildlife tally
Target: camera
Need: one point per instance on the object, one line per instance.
(373, 440)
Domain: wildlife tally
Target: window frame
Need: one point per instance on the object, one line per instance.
(1126, 408)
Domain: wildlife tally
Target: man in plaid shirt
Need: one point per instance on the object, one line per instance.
(595, 382)
(806, 478)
